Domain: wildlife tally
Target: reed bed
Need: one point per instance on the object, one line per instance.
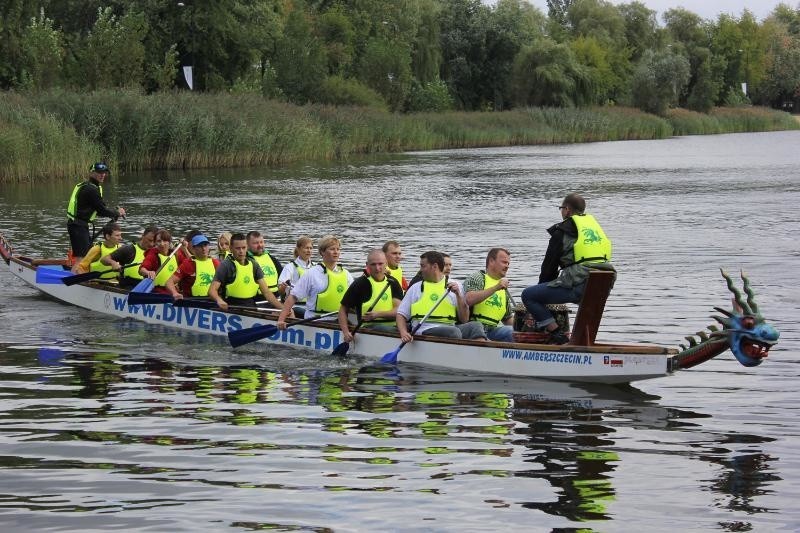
(58, 133)
(730, 120)
(36, 144)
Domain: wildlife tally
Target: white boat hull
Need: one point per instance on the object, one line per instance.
(598, 363)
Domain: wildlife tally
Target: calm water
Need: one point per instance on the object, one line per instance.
(113, 424)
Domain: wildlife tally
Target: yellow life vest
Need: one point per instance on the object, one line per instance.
(244, 284)
(132, 272)
(592, 245)
(330, 299)
(491, 310)
(385, 303)
(72, 205)
(165, 271)
(268, 267)
(204, 275)
(97, 266)
(396, 273)
(430, 293)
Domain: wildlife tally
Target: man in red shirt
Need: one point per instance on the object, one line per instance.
(195, 273)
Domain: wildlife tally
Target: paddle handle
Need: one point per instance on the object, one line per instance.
(175, 251)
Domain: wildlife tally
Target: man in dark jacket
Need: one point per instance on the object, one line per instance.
(577, 245)
(85, 203)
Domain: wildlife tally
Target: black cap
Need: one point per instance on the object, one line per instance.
(100, 167)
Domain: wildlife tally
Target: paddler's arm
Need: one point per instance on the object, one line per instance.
(268, 294)
(170, 285)
(213, 293)
(344, 324)
(287, 308)
(462, 309)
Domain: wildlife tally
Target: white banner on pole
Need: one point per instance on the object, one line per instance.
(187, 73)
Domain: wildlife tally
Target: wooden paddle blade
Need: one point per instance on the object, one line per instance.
(146, 285)
(244, 336)
(80, 278)
(139, 298)
(50, 276)
(341, 349)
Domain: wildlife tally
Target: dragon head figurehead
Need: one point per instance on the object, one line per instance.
(744, 332)
(749, 335)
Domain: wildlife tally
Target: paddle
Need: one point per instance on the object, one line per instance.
(342, 348)
(391, 357)
(206, 303)
(88, 276)
(147, 284)
(244, 336)
(51, 276)
(140, 298)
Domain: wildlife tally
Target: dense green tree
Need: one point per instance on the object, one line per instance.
(114, 51)
(464, 55)
(385, 66)
(300, 62)
(780, 85)
(658, 81)
(15, 16)
(42, 54)
(547, 74)
(641, 28)
(337, 34)
(426, 53)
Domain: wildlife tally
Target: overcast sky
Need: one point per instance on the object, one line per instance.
(707, 9)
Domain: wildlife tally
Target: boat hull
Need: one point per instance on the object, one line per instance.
(597, 363)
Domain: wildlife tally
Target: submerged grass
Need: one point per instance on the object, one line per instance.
(58, 133)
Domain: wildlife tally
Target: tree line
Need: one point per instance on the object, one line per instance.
(407, 55)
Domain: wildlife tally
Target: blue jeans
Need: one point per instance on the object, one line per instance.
(500, 333)
(536, 297)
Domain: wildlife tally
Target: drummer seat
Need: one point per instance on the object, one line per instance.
(590, 310)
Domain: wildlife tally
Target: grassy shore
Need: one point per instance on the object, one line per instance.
(57, 134)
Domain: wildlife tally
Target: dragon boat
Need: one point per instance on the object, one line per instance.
(743, 331)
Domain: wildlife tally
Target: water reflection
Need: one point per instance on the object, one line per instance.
(562, 434)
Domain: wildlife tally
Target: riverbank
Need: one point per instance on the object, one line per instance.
(56, 134)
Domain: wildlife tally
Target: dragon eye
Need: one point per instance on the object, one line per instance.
(748, 322)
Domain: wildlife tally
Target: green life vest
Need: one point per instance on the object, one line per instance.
(330, 299)
(430, 293)
(97, 266)
(165, 271)
(592, 245)
(385, 303)
(72, 205)
(491, 310)
(204, 275)
(132, 272)
(244, 284)
(268, 267)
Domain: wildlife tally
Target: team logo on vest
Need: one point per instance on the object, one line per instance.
(590, 236)
(434, 297)
(494, 301)
(269, 271)
(384, 297)
(340, 288)
(205, 278)
(246, 279)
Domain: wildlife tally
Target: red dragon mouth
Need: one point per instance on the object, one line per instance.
(755, 349)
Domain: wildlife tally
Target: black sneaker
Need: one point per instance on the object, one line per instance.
(557, 337)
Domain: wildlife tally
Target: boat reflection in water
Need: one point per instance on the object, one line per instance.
(415, 429)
